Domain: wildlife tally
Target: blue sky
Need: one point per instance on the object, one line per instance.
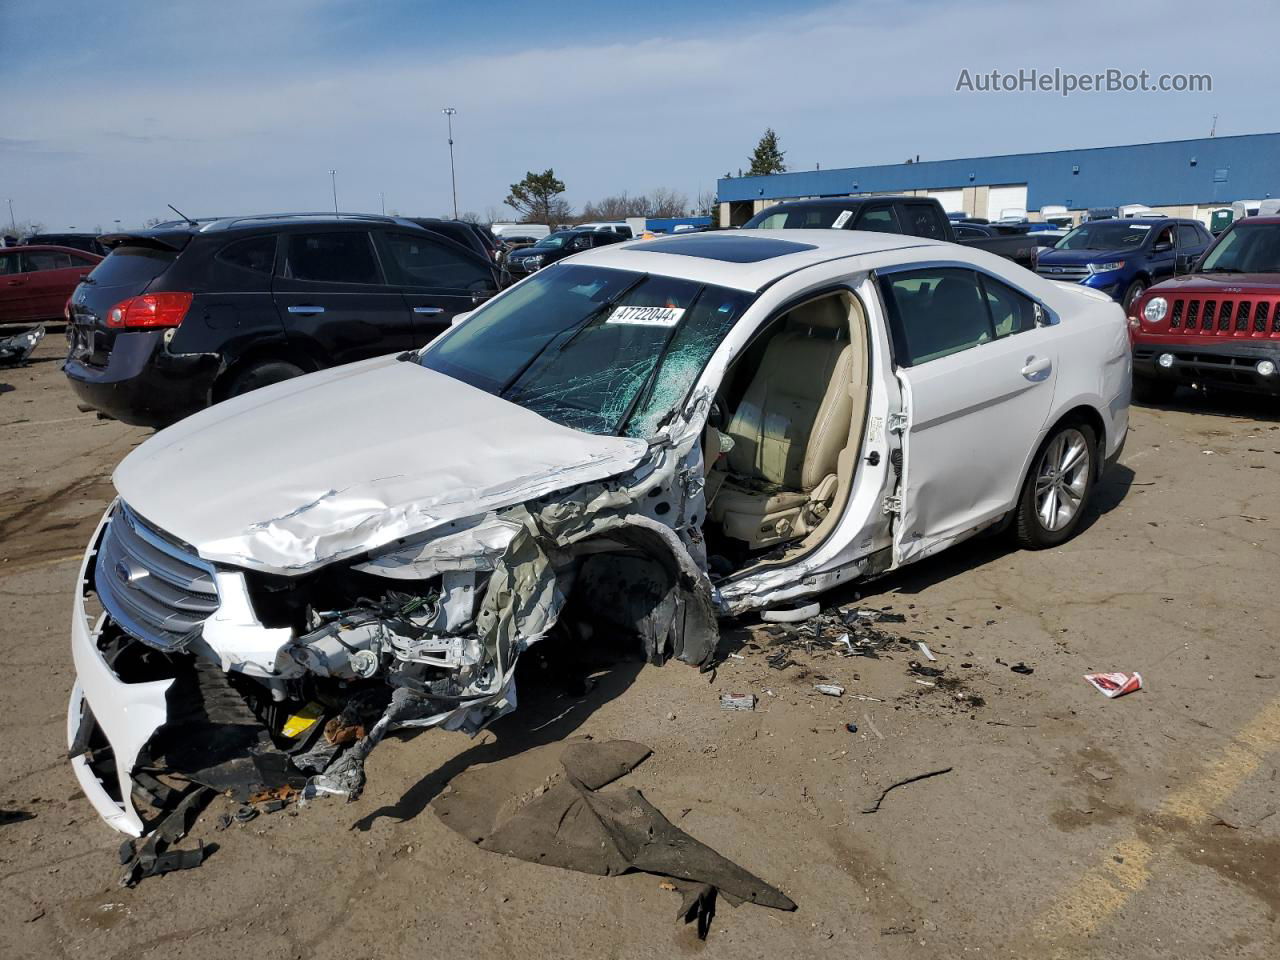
(112, 110)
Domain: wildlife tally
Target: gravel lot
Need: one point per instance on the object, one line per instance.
(1069, 825)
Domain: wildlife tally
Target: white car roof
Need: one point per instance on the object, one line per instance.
(747, 259)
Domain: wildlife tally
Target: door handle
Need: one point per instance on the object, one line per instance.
(15, 283)
(428, 311)
(306, 309)
(1034, 368)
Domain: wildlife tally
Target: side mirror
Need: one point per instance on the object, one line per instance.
(1162, 247)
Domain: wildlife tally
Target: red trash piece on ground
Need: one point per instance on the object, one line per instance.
(1115, 684)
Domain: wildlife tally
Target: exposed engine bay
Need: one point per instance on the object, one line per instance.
(290, 682)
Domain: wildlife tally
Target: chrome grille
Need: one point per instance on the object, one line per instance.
(1063, 273)
(156, 589)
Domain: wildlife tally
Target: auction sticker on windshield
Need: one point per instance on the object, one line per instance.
(841, 220)
(646, 316)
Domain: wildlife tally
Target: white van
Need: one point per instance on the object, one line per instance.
(535, 230)
(619, 227)
(1057, 215)
(1130, 210)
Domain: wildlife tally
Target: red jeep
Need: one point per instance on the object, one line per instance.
(1218, 325)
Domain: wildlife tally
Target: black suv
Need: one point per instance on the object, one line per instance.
(189, 313)
(557, 246)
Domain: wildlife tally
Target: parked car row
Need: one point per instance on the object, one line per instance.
(913, 216)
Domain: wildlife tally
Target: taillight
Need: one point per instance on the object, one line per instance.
(149, 311)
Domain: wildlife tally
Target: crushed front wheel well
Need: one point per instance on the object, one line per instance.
(637, 577)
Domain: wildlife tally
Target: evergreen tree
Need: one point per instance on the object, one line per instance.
(767, 158)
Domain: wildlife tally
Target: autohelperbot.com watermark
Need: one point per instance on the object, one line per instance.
(1065, 82)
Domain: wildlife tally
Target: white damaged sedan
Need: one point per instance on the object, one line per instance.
(643, 438)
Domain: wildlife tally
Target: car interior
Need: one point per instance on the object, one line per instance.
(782, 441)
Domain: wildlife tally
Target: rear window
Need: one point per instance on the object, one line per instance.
(132, 265)
(801, 218)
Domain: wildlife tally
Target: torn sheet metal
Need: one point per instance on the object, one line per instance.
(402, 450)
(473, 543)
(546, 806)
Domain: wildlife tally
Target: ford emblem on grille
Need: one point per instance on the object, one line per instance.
(1056, 270)
(128, 574)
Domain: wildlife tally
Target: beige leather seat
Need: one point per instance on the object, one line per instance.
(789, 428)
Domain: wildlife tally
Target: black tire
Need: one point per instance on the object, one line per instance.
(1136, 289)
(1151, 390)
(260, 374)
(1030, 530)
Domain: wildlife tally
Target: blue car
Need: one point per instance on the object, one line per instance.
(1122, 258)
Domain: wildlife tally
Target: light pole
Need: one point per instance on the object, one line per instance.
(333, 179)
(382, 199)
(453, 179)
(13, 224)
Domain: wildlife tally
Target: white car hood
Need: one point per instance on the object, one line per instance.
(349, 459)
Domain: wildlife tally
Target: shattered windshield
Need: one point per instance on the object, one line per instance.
(1248, 248)
(602, 351)
(1105, 236)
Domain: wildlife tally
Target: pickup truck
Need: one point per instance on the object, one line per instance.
(913, 216)
(1217, 326)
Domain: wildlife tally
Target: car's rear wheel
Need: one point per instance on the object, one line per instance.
(261, 374)
(1057, 490)
(1151, 390)
(1136, 289)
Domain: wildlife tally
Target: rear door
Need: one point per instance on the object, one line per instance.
(15, 295)
(331, 293)
(977, 373)
(437, 279)
(878, 217)
(51, 276)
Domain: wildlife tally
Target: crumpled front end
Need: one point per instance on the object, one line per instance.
(194, 673)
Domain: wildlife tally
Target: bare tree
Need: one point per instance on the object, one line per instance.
(492, 214)
(617, 207)
(665, 202)
(706, 204)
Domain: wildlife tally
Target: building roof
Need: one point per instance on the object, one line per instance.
(1208, 170)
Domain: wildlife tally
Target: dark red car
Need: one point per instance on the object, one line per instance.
(1217, 326)
(36, 280)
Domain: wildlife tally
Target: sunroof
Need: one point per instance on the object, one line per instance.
(731, 249)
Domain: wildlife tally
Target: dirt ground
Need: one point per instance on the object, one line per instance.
(1069, 825)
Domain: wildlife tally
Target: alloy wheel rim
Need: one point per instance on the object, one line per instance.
(1061, 478)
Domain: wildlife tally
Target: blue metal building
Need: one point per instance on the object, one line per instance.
(1180, 174)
